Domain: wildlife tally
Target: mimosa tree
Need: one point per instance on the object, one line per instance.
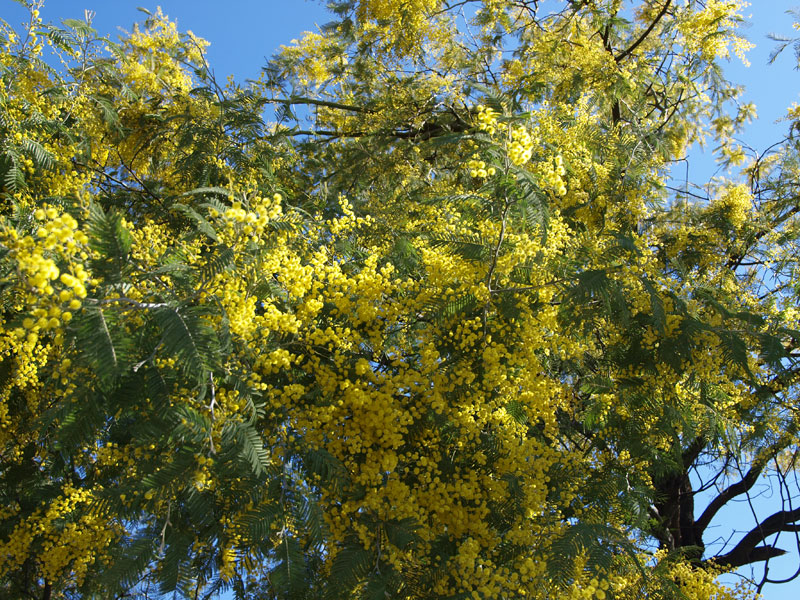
(415, 314)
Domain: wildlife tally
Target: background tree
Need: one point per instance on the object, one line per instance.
(445, 333)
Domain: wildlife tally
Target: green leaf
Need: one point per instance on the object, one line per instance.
(350, 566)
(600, 544)
(659, 317)
(187, 335)
(199, 221)
(289, 575)
(102, 343)
(251, 447)
(442, 310)
(402, 533)
(42, 157)
(82, 28)
(470, 247)
(109, 237)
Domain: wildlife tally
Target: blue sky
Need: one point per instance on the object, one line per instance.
(773, 88)
(244, 33)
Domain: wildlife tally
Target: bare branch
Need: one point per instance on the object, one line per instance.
(748, 550)
(314, 102)
(732, 491)
(625, 53)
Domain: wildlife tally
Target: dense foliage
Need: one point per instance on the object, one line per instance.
(419, 313)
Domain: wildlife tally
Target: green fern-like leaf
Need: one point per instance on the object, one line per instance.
(532, 203)
(112, 241)
(218, 259)
(200, 222)
(401, 533)
(82, 28)
(187, 335)
(349, 568)
(250, 446)
(442, 311)
(656, 305)
(102, 343)
(42, 158)
(469, 247)
(259, 521)
(288, 577)
(600, 543)
(129, 561)
(14, 175)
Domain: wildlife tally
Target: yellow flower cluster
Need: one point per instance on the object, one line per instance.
(227, 563)
(202, 478)
(401, 26)
(711, 31)
(249, 222)
(521, 147)
(348, 221)
(313, 53)
(552, 175)
(735, 204)
(701, 584)
(435, 384)
(594, 589)
(51, 292)
(487, 119)
(153, 58)
(519, 143)
(26, 360)
(477, 168)
(72, 540)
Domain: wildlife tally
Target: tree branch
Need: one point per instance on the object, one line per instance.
(748, 550)
(427, 131)
(691, 453)
(735, 260)
(625, 53)
(729, 493)
(314, 102)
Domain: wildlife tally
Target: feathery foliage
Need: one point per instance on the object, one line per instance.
(397, 319)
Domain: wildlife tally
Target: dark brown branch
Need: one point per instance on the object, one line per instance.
(425, 132)
(327, 133)
(314, 102)
(625, 53)
(737, 489)
(103, 173)
(735, 260)
(748, 550)
(673, 508)
(691, 453)
(675, 107)
(757, 554)
(616, 112)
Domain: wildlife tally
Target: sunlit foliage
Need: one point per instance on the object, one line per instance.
(440, 325)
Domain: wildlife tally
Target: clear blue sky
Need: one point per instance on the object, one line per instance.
(243, 33)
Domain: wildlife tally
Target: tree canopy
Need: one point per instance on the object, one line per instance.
(419, 312)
